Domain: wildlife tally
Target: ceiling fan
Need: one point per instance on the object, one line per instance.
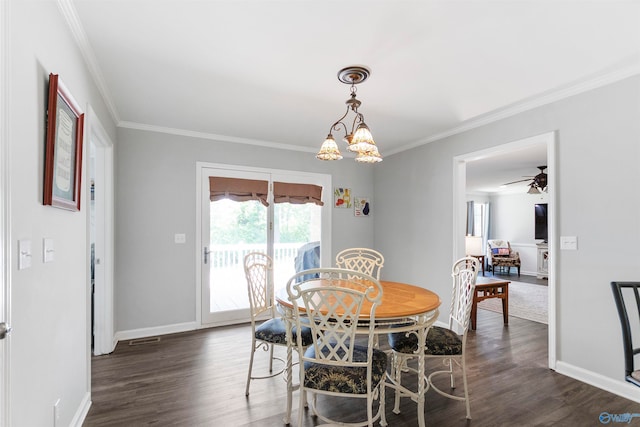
(538, 183)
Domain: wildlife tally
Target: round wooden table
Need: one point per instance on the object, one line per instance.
(399, 300)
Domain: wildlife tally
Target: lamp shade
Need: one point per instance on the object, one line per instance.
(329, 150)
(473, 245)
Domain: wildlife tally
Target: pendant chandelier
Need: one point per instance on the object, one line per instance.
(358, 136)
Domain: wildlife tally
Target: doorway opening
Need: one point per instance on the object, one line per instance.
(547, 140)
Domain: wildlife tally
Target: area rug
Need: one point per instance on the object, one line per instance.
(526, 301)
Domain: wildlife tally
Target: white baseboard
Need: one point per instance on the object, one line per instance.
(157, 330)
(82, 411)
(618, 387)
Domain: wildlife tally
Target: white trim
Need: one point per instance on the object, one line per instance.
(531, 103)
(155, 331)
(552, 187)
(104, 292)
(620, 388)
(459, 185)
(511, 110)
(81, 413)
(325, 253)
(214, 137)
(68, 10)
(5, 210)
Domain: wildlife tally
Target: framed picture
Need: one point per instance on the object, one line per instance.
(361, 206)
(63, 151)
(342, 198)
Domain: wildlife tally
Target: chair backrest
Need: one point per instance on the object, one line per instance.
(624, 295)
(498, 244)
(364, 260)
(331, 306)
(464, 273)
(258, 269)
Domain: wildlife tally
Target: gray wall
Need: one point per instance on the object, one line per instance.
(50, 303)
(155, 279)
(598, 153)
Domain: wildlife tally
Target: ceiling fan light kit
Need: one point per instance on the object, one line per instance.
(538, 183)
(358, 137)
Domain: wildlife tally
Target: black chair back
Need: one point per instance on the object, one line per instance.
(625, 294)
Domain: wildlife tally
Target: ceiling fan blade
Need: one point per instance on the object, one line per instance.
(514, 182)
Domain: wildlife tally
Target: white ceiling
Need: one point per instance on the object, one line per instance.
(489, 174)
(263, 71)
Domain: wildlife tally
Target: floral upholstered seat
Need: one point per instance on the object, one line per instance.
(500, 255)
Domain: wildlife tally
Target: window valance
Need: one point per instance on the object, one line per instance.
(242, 190)
(238, 190)
(298, 194)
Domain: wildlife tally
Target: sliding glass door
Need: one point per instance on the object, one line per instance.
(231, 227)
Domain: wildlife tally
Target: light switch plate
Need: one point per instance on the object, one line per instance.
(569, 243)
(180, 238)
(47, 250)
(24, 254)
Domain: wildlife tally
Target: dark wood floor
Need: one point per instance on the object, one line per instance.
(514, 276)
(198, 379)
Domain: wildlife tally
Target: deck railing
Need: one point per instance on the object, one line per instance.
(231, 255)
(228, 285)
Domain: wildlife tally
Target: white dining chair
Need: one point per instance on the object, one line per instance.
(337, 364)
(258, 269)
(364, 260)
(445, 343)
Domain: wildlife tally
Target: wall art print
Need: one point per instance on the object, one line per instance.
(342, 198)
(361, 206)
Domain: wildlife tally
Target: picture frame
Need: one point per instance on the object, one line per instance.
(342, 198)
(361, 207)
(63, 149)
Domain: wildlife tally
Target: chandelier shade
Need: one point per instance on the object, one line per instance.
(329, 150)
(358, 137)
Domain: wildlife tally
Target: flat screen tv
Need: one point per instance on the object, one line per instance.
(541, 221)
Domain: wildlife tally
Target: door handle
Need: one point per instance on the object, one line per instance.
(206, 254)
(4, 330)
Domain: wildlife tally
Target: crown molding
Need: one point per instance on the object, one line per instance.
(213, 137)
(533, 102)
(516, 108)
(69, 12)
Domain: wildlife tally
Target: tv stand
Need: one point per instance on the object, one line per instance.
(543, 260)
